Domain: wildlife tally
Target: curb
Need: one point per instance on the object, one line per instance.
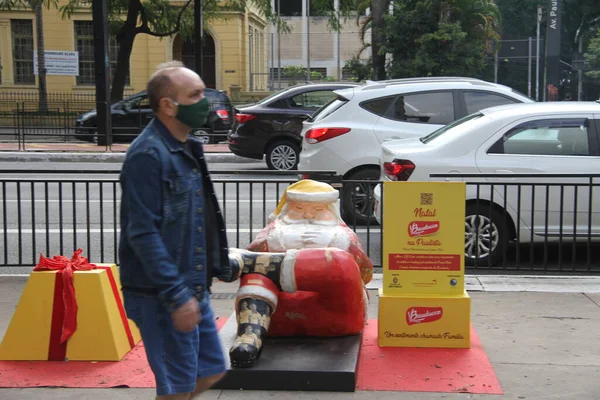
(81, 157)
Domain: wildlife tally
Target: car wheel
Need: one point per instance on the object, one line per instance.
(358, 201)
(486, 235)
(283, 155)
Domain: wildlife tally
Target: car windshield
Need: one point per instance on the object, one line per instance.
(450, 127)
(272, 96)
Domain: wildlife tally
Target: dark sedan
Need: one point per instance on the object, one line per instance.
(272, 127)
(132, 114)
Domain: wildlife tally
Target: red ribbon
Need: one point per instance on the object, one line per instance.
(66, 267)
(64, 309)
(117, 294)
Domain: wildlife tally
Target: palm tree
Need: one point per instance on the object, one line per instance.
(376, 23)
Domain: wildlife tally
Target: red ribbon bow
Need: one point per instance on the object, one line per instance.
(66, 267)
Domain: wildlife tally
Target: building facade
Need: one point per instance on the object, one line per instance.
(312, 45)
(231, 44)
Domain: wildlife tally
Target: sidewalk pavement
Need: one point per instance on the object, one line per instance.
(539, 333)
(90, 152)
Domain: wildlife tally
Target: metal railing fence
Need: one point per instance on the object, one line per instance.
(551, 222)
(72, 121)
(540, 223)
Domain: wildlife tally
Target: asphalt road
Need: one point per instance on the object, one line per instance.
(62, 212)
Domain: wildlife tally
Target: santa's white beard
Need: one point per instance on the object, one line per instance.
(302, 234)
(286, 220)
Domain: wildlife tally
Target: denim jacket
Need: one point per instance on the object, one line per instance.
(173, 239)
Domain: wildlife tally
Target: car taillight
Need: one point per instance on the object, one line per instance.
(320, 134)
(398, 170)
(243, 118)
(223, 114)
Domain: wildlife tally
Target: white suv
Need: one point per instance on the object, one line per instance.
(346, 134)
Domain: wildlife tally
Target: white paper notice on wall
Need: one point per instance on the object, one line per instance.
(59, 63)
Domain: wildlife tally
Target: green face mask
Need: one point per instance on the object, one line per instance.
(193, 115)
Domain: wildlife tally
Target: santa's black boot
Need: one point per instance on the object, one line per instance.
(266, 264)
(255, 304)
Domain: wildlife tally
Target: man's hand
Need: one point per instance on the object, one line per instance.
(186, 317)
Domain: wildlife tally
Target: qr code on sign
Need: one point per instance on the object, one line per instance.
(426, 199)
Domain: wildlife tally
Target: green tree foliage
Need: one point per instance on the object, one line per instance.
(592, 57)
(521, 17)
(359, 70)
(434, 38)
(162, 18)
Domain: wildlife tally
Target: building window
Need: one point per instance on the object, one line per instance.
(22, 42)
(289, 8)
(84, 44)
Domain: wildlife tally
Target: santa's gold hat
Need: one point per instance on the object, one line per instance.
(308, 190)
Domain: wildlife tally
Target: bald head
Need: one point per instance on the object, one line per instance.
(174, 81)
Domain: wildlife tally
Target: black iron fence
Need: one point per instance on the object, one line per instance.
(514, 224)
(531, 222)
(55, 97)
(72, 119)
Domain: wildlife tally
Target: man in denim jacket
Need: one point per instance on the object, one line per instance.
(173, 239)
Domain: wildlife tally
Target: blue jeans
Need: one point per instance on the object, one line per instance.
(177, 359)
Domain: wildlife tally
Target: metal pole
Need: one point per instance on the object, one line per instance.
(339, 56)
(308, 40)
(537, 63)
(529, 70)
(580, 72)
(272, 72)
(198, 28)
(278, 46)
(102, 69)
(251, 59)
(338, 39)
(496, 67)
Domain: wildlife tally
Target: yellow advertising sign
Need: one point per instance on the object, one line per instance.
(423, 237)
(424, 321)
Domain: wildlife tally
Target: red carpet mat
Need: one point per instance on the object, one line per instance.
(389, 369)
(425, 370)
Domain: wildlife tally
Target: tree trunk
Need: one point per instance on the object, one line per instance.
(39, 23)
(125, 38)
(123, 57)
(378, 10)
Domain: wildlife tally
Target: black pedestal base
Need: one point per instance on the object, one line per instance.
(307, 364)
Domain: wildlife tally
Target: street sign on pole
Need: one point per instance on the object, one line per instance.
(553, 40)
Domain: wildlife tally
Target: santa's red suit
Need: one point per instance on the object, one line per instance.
(321, 289)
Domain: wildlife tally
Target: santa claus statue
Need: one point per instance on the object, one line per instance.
(303, 275)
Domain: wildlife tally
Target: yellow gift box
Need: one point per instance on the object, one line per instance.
(103, 333)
